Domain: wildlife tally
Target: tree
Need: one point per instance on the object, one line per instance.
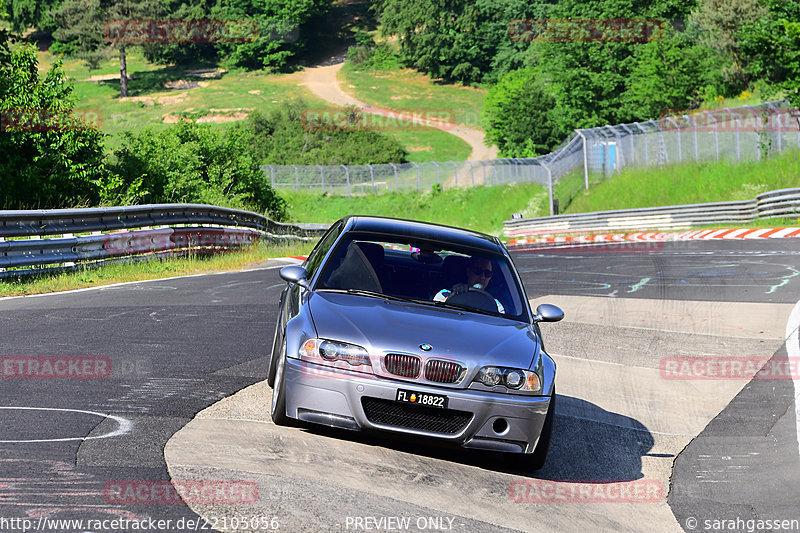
(50, 158)
(442, 39)
(26, 14)
(720, 23)
(87, 23)
(521, 116)
(669, 75)
(771, 46)
(191, 163)
(272, 32)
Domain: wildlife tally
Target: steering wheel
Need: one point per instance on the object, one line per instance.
(474, 297)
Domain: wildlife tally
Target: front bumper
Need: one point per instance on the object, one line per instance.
(500, 422)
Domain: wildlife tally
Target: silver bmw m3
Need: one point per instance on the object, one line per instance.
(414, 328)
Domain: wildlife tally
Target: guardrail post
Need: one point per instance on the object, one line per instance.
(395, 175)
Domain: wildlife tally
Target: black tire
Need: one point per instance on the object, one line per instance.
(536, 460)
(278, 407)
(276, 343)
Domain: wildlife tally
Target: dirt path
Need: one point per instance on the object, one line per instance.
(322, 82)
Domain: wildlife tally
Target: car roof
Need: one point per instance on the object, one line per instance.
(423, 231)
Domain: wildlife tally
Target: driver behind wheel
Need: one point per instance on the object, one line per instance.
(479, 274)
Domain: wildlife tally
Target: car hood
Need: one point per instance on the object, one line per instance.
(383, 326)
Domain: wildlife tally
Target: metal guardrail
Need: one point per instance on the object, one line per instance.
(68, 236)
(780, 203)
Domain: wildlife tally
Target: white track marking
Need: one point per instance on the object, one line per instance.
(793, 351)
(123, 424)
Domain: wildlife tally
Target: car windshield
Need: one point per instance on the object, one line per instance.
(430, 273)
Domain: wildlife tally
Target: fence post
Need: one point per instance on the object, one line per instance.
(437, 170)
(471, 172)
(272, 175)
(630, 135)
(646, 158)
(483, 163)
(322, 177)
(372, 178)
(619, 157)
(347, 177)
(455, 169)
(694, 129)
(296, 178)
(417, 167)
(736, 128)
(716, 132)
(777, 115)
(395, 176)
(678, 128)
(549, 185)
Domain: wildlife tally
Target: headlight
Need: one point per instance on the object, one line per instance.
(511, 378)
(329, 352)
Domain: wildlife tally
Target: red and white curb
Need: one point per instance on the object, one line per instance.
(708, 234)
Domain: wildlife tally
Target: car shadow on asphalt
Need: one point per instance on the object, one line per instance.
(589, 444)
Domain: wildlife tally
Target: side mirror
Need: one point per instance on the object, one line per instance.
(548, 313)
(295, 274)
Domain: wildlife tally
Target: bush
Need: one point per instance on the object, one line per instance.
(194, 164)
(288, 137)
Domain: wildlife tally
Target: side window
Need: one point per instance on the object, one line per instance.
(321, 250)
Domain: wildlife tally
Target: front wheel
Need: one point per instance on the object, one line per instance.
(278, 410)
(535, 461)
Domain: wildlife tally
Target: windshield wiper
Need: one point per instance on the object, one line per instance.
(374, 294)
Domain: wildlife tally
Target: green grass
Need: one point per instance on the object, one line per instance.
(479, 208)
(151, 269)
(429, 144)
(413, 92)
(687, 183)
(163, 94)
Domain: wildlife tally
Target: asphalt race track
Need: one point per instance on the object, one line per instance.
(167, 383)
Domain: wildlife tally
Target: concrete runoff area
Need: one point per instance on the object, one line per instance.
(618, 422)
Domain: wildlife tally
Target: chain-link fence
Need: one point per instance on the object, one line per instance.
(744, 133)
